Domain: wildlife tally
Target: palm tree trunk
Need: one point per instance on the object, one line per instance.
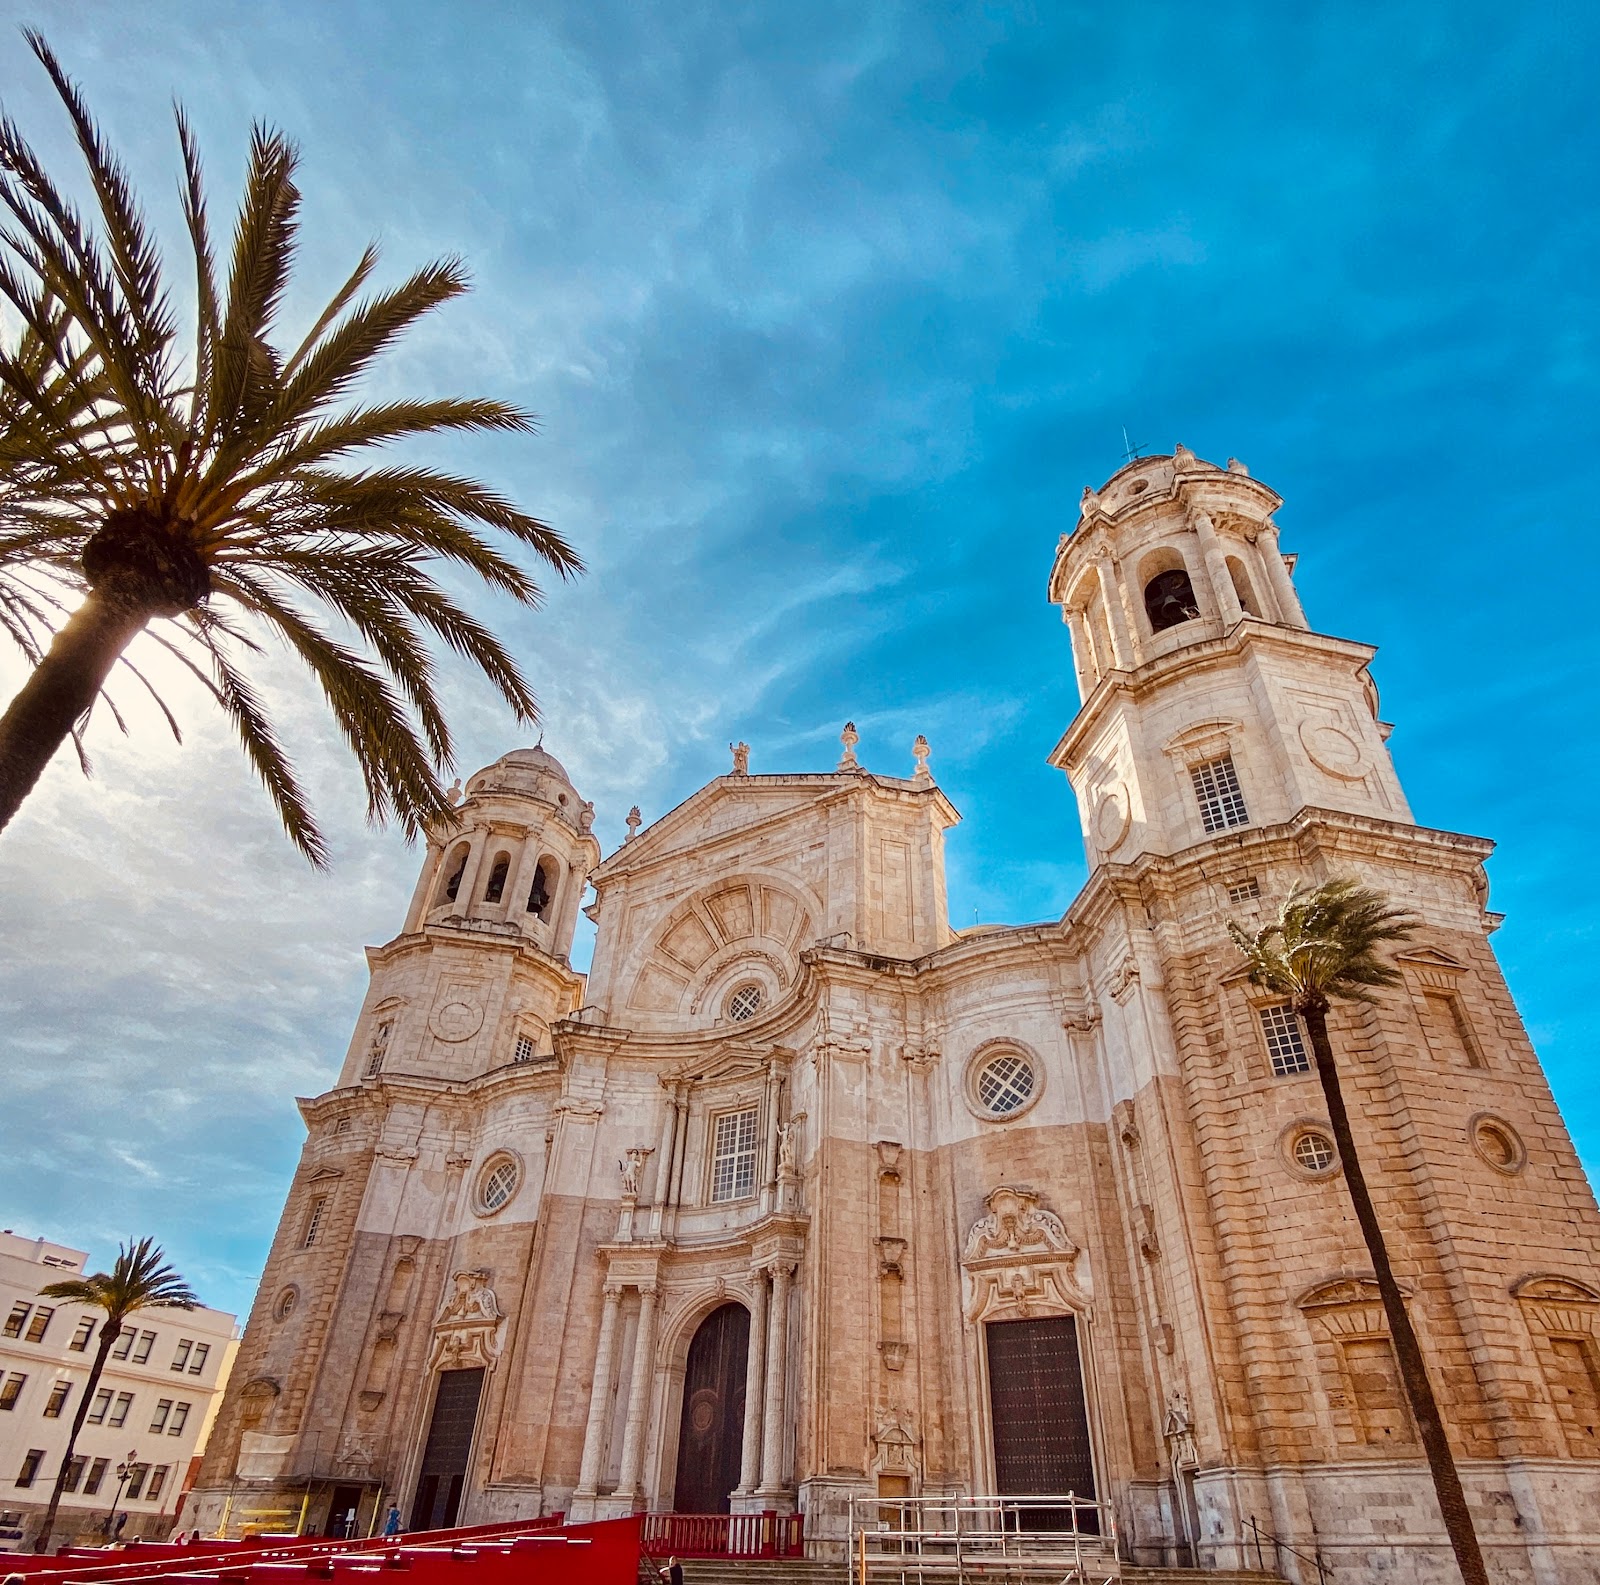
(1408, 1352)
(110, 1331)
(62, 687)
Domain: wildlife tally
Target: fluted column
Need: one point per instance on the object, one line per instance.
(594, 1432)
(1222, 590)
(777, 1355)
(1289, 609)
(755, 1374)
(644, 1351)
(1116, 615)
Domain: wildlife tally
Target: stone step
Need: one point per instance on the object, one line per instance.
(1191, 1576)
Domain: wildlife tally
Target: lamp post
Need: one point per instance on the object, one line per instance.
(124, 1470)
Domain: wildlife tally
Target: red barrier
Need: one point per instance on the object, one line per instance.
(749, 1535)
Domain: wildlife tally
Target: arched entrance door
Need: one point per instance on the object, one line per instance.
(711, 1435)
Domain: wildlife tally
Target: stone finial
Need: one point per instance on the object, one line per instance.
(741, 758)
(1088, 502)
(453, 796)
(1181, 455)
(849, 737)
(586, 815)
(920, 752)
(1235, 466)
(633, 822)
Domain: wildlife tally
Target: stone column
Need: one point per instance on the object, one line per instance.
(769, 1163)
(467, 890)
(1222, 590)
(425, 884)
(522, 882)
(777, 1353)
(1289, 611)
(1116, 615)
(1082, 650)
(594, 1433)
(644, 1357)
(664, 1161)
(754, 1379)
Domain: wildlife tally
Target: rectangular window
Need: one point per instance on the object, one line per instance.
(75, 1472)
(1244, 891)
(181, 1358)
(31, 1460)
(11, 1390)
(379, 1048)
(136, 1481)
(158, 1480)
(80, 1338)
(119, 1412)
(97, 1409)
(524, 1051)
(146, 1343)
(1216, 785)
(341, 1125)
(41, 1319)
(60, 1391)
(733, 1156)
(19, 1314)
(314, 1221)
(180, 1418)
(163, 1409)
(124, 1342)
(1285, 1046)
(97, 1473)
(197, 1361)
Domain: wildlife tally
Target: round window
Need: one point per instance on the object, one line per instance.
(284, 1307)
(1004, 1083)
(1314, 1151)
(497, 1184)
(744, 1003)
(1498, 1143)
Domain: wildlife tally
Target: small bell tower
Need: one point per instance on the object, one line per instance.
(480, 971)
(1208, 702)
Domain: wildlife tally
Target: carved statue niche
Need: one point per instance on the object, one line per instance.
(1019, 1258)
(468, 1327)
(896, 1442)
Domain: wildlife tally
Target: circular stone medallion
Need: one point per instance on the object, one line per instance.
(1333, 750)
(457, 1020)
(1111, 817)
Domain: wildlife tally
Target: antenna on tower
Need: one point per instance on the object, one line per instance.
(1130, 451)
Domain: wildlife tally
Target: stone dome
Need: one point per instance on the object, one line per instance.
(537, 758)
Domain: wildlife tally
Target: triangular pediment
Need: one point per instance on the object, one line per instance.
(727, 1067)
(1432, 958)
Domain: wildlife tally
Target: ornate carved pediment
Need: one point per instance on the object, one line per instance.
(1020, 1258)
(468, 1326)
(896, 1439)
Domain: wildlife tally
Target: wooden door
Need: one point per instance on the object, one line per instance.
(449, 1446)
(711, 1433)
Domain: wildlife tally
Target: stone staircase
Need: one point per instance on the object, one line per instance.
(735, 1571)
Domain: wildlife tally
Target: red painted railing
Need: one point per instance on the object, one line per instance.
(754, 1535)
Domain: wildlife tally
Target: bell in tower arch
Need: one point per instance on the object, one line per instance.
(1169, 599)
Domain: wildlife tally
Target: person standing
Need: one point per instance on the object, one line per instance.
(391, 1524)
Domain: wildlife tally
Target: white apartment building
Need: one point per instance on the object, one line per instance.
(147, 1418)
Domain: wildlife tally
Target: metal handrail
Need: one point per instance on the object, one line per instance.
(1280, 1546)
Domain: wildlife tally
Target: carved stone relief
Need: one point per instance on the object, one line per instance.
(1020, 1258)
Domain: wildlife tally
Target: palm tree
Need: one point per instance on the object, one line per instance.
(212, 493)
(1322, 946)
(140, 1280)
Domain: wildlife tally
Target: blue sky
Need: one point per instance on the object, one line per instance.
(831, 311)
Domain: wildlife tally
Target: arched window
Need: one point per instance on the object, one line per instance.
(1169, 599)
(1242, 588)
(540, 896)
(450, 874)
(495, 890)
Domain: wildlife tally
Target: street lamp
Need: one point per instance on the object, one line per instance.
(124, 1470)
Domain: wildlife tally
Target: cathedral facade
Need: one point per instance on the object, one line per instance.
(802, 1195)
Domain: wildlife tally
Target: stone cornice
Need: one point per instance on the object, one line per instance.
(476, 935)
(1204, 655)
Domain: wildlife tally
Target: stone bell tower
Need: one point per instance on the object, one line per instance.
(479, 972)
(1207, 701)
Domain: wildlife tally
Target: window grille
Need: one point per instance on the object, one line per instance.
(1004, 1083)
(524, 1049)
(1245, 891)
(1285, 1046)
(733, 1156)
(341, 1125)
(1314, 1152)
(499, 1184)
(314, 1221)
(379, 1048)
(744, 1003)
(1216, 785)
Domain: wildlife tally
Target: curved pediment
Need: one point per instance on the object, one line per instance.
(1563, 1290)
(742, 929)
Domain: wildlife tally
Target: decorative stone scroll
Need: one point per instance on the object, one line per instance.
(468, 1326)
(1019, 1258)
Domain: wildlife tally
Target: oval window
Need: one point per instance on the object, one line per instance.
(744, 1003)
(497, 1184)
